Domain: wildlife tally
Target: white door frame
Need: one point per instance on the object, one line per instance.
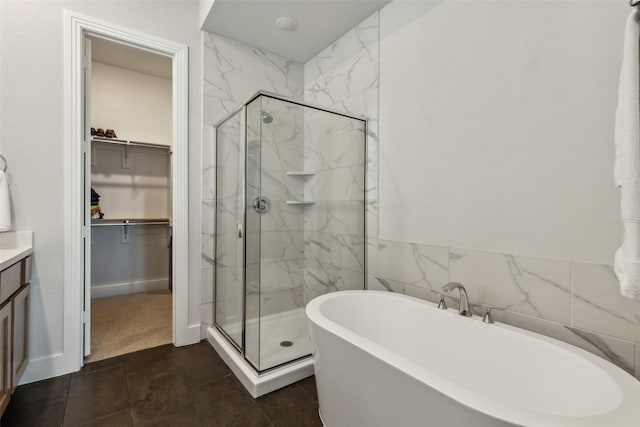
(76, 26)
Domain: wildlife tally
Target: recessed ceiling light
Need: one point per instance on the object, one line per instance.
(287, 23)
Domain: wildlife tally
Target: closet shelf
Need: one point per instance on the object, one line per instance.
(300, 202)
(112, 222)
(128, 143)
(301, 173)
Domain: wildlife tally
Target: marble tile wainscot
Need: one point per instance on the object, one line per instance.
(575, 302)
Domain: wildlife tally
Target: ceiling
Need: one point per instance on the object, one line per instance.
(123, 56)
(320, 23)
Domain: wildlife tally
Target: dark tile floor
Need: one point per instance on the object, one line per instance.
(162, 386)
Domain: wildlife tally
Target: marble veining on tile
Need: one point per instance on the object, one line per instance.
(604, 349)
(376, 283)
(598, 304)
(533, 286)
(346, 67)
(338, 217)
(345, 77)
(206, 287)
(340, 250)
(320, 279)
(207, 252)
(638, 361)
(413, 264)
(234, 71)
(281, 245)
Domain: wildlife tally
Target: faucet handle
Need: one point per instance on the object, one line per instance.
(442, 305)
(488, 318)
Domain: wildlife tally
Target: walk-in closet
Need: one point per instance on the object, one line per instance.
(130, 190)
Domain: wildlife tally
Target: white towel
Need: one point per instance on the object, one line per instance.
(5, 207)
(627, 163)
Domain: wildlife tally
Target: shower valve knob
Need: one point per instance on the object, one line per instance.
(261, 204)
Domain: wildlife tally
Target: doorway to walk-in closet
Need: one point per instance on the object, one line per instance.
(128, 93)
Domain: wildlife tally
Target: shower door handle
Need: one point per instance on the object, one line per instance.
(240, 234)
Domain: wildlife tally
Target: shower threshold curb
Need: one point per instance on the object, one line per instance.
(258, 384)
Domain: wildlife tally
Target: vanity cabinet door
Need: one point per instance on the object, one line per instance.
(20, 333)
(6, 370)
(10, 281)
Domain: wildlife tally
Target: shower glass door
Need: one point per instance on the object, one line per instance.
(253, 235)
(229, 296)
(281, 334)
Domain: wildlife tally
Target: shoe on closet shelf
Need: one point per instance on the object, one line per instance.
(93, 131)
(100, 132)
(110, 133)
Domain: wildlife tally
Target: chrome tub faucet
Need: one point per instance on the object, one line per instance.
(464, 298)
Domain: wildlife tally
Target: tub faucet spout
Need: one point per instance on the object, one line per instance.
(464, 298)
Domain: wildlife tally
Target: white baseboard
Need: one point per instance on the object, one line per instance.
(204, 328)
(112, 290)
(43, 368)
(191, 336)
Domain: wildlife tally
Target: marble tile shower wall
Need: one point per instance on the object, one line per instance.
(334, 224)
(575, 302)
(232, 72)
(344, 77)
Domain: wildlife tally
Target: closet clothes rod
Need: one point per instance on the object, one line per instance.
(131, 143)
(127, 223)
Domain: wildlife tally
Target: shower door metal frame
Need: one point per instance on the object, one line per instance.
(242, 109)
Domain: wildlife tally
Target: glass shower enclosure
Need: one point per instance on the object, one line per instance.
(290, 221)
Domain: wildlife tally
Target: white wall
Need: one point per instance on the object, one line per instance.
(136, 105)
(497, 126)
(31, 137)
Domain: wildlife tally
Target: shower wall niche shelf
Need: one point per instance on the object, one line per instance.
(300, 202)
(301, 173)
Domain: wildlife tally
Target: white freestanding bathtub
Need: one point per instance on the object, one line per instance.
(383, 359)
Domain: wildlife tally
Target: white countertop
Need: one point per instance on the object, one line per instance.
(14, 245)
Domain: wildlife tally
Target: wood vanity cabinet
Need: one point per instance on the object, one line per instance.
(14, 326)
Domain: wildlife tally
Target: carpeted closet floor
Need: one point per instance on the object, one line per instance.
(129, 323)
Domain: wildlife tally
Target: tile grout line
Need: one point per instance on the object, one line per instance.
(264, 414)
(126, 380)
(66, 400)
(187, 387)
(571, 302)
(313, 399)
